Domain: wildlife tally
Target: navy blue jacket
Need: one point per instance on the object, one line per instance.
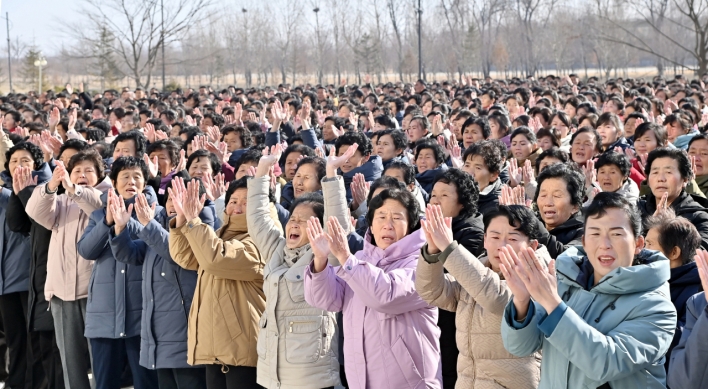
(372, 169)
(114, 305)
(428, 177)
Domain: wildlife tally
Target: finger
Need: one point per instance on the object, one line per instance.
(552, 267)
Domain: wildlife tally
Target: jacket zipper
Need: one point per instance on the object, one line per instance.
(181, 296)
(292, 323)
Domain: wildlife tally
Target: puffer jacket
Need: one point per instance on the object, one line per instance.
(689, 206)
(618, 330)
(15, 246)
(229, 298)
(690, 358)
(297, 343)
(391, 334)
(66, 216)
(114, 306)
(428, 177)
(478, 295)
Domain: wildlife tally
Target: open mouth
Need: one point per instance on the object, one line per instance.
(388, 239)
(606, 260)
(549, 214)
(81, 182)
(294, 236)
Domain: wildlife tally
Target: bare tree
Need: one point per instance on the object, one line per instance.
(487, 17)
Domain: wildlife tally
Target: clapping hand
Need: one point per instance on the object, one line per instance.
(269, 159)
(334, 162)
(22, 178)
(144, 211)
(338, 244)
(319, 242)
(702, 262)
(663, 204)
(215, 187)
(193, 203)
(121, 214)
(360, 190)
(178, 194)
(437, 229)
(508, 262)
(540, 282)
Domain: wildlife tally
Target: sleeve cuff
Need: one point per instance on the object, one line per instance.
(347, 267)
(439, 257)
(529, 316)
(190, 224)
(548, 323)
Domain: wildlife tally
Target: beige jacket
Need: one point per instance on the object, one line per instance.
(297, 343)
(479, 296)
(228, 299)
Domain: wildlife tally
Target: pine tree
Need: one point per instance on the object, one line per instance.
(30, 73)
(104, 64)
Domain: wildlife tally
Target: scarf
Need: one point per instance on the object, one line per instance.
(293, 255)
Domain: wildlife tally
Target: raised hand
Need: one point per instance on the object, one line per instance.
(305, 115)
(189, 120)
(144, 211)
(338, 133)
(455, 152)
(528, 173)
(178, 193)
(22, 178)
(663, 204)
(161, 135)
(152, 164)
(213, 134)
(515, 173)
(437, 228)
(54, 118)
(57, 177)
(320, 118)
(73, 116)
(540, 282)
(590, 173)
(702, 263)
(269, 159)
(121, 215)
(334, 162)
(508, 263)
(319, 242)
(215, 187)
(338, 244)
(193, 203)
(150, 132)
(353, 119)
(320, 152)
(360, 190)
(220, 150)
(182, 161)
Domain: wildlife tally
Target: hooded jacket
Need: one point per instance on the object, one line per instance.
(391, 335)
(614, 333)
(690, 358)
(689, 206)
(15, 246)
(297, 343)
(228, 296)
(478, 295)
(114, 306)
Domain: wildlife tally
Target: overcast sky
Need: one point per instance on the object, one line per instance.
(38, 21)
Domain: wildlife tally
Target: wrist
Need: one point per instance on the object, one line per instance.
(52, 187)
(118, 229)
(551, 303)
(331, 171)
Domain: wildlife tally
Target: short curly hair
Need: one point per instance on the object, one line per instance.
(467, 190)
(34, 151)
(553, 152)
(406, 198)
(519, 216)
(574, 180)
(481, 122)
(617, 159)
(213, 160)
(244, 134)
(351, 137)
(489, 152)
(319, 163)
(430, 145)
(90, 155)
(406, 168)
(167, 145)
(400, 141)
(124, 163)
(680, 156)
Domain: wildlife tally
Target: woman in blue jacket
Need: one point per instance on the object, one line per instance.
(167, 290)
(114, 305)
(607, 320)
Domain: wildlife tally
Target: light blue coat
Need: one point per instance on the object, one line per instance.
(617, 332)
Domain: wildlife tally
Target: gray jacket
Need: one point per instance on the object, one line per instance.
(690, 358)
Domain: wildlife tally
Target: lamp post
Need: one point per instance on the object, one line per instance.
(319, 46)
(420, 45)
(40, 62)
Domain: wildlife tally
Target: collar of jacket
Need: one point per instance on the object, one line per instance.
(572, 223)
(43, 174)
(650, 271)
(405, 247)
(236, 224)
(371, 169)
(621, 143)
(685, 275)
(702, 182)
(493, 189)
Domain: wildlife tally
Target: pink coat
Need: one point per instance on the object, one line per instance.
(67, 216)
(391, 339)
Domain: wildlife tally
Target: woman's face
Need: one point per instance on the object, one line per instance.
(610, 178)
(562, 129)
(445, 195)
(386, 149)
(426, 160)
(65, 156)
(554, 202)
(609, 242)
(291, 165)
(674, 130)
(327, 130)
(494, 126)
(9, 122)
(546, 162)
(609, 133)
(237, 202)
(545, 143)
(84, 173)
(306, 180)
(699, 150)
(21, 158)
(129, 183)
(427, 107)
(164, 161)
(583, 148)
(499, 234)
(233, 142)
(646, 143)
(201, 167)
(415, 130)
(471, 135)
(570, 110)
(521, 147)
(296, 227)
(512, 105)
(390, 223)
(475, 166)
(665, 177)
(630, 127)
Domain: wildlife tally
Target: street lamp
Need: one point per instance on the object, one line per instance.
(40, 62)
(319, 46)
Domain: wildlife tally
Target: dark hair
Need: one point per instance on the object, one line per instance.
(680, 156)
(405, 198)
(612, 158)
(590, 130)
(136, 137)
(312, 200)
(612, 119)
(305, 151)
(31, 148)
(242, 183)
(482, 122)
(520, 217)
(489, 152)
(124, 163)
(74, 144)
(407, 169)
(607, 200)
(400, 141)
(431, 145)
(167, 145)
(351, 137)
(697, 138)
(101, 125)
(502, 121)
(553, 152)
(549, 133)
(467, 190)
(680, 119)
(574, 180)
(659, 133)
(525, 132)
(91, 155)
(385, 182)
(673, 232)
(319, 163)
(213, 160)
(244, 134)
(250, 155)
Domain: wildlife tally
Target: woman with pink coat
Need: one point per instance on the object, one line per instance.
(391, 339)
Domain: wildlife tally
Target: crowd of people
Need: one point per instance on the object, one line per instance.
(480, 233)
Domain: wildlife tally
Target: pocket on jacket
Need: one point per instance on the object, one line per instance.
(405, 363)
(229, 314)
(261, 344)
(296, 290)
(303, 339)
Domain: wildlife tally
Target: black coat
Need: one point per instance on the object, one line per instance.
(691, 207)
(39, 316)
(469, 233)
(567, 234)
(489, 202)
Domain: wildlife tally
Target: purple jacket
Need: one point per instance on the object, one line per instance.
(391, 339)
